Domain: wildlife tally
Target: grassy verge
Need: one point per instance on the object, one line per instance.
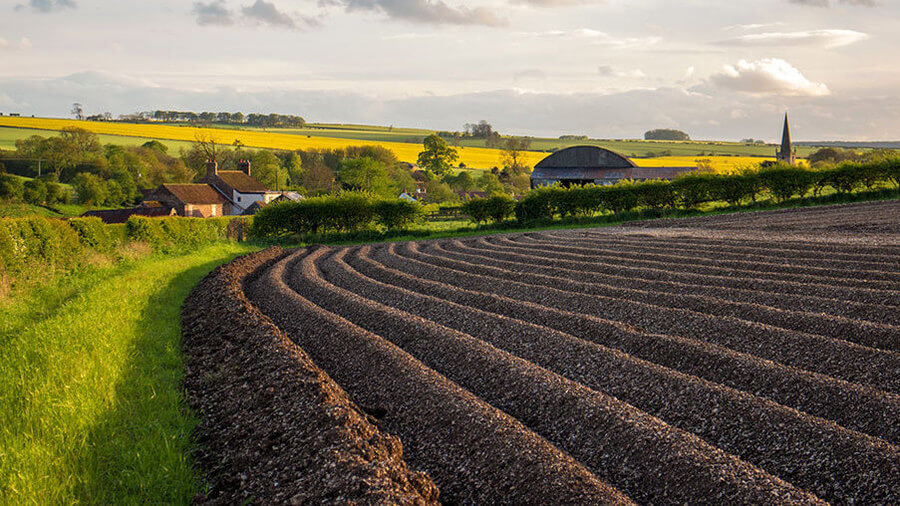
(90, 395)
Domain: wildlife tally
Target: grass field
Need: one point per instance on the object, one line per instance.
(405, 143)
(90, 386)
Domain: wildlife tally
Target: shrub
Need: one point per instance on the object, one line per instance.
(734, 188)
(33, 247)
(693, 189)
(394, 214)
(11, 187)
(176, 233)
(621, 197)
(539, 204)
(784, 181)
(92, 233)
(655, 194)
(34, 192)
(496, 208)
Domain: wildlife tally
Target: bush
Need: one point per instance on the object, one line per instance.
(35, 192)
(693, 189)
(395, 214)
(784, 181)
(176, 233)
(495, 208)
(93, 234)
(34, 247)
(655, 194)
(734, 188)
(11, 187)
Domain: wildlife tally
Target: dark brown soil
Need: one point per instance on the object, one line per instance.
(738, 359)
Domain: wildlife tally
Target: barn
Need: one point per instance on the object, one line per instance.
(581, 165)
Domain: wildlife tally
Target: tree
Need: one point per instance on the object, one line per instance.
(77, 111)
(156, 146)
(367, 175)
(437, 156)
(267, 168)
(86, 145)
(207, 145)
(317, 177)
(11, 187)
(35, 192)
(512, 155)
(91, 190)
(438, 191)
(489, 183)
(666, 134)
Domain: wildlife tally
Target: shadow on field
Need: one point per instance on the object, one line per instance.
(141, 447)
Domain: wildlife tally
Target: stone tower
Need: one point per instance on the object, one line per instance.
(786, 153)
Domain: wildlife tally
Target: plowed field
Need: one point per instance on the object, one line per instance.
(749, 358)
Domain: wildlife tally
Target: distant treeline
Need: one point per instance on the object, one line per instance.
(271, 120)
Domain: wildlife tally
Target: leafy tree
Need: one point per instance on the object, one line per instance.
(35, 192)
(489, 183)
(267, 168)
(11, 187)
(115, 197)
(317, 177)
(513, 148)
(666, 134)
(91, 190)
(367, 175)
(156, 146)
(437, 156)
(439, 192)
(462, 182)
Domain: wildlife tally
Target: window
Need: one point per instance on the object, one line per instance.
(239, 199)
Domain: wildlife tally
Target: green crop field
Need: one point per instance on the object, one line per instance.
(91, 408)
(9, 135)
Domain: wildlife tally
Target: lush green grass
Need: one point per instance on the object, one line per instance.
(90, 397)
(9, 135)
(22, 210)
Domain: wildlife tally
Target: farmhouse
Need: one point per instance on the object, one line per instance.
(581, 165)
(240, 188)
(191, 200)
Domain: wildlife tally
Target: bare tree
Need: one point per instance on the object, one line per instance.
(77, 111)
(207, 145)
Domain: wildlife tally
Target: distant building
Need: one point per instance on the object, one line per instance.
(786, 154)
(582, 165)
(191, 200)
(239, 187)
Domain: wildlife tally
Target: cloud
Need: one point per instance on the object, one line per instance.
(24, 43)
(48, 5)
(610, 71)
(820, 38)
(866, 114)
(770, 76)
(827, 3)
(555, 3)
(528, 74)
(212, 13)
(434, 12)
(267, 13)
(596, 37)
(3, 43)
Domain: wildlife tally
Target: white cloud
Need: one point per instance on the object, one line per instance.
(610, 71)
(596, 37)
(3, 43)
(434, 12)
(769, 76)
(820, 38)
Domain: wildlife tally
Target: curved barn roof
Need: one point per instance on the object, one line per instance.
(585, 157)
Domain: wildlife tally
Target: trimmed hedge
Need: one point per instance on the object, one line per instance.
(346, 212)
(495, 208)
(31, 248)
(782, 182)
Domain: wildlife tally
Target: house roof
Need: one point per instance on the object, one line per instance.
(195, 193)
(122, 215)
(241, 182)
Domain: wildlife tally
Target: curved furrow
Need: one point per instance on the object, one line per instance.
(809, 452)
(475, 453)
(701, 251)
(827, 326)
(691, 276)
(783, 312)
(589, 425)
(732, 241)
(613, 260)
(853, 406)
(753, 268)
(873, 313)
(830, 357)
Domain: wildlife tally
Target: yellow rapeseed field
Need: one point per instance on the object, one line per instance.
(480, 158)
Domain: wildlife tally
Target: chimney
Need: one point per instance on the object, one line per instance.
(212, 168)
(244, 166)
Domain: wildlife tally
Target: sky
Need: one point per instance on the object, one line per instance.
(605, 68)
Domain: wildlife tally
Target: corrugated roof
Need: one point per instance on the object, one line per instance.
(241, 182)
(585, 157)
(195, 193)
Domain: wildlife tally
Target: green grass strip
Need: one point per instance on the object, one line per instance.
(91, 408)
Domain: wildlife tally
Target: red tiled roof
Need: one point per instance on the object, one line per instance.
(241, 182)
(195, 193)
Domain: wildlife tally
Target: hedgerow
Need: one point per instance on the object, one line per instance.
(176, 233)
(495, 208)
(689, 191)
(345, 212)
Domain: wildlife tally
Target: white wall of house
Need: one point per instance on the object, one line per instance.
(245, 200)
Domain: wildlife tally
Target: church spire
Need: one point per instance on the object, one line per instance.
(787, 151)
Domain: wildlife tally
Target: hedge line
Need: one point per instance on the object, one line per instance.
(338, 213)
(35, 247)
(689, 191)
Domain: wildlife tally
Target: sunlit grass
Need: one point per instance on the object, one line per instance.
(90, 399)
